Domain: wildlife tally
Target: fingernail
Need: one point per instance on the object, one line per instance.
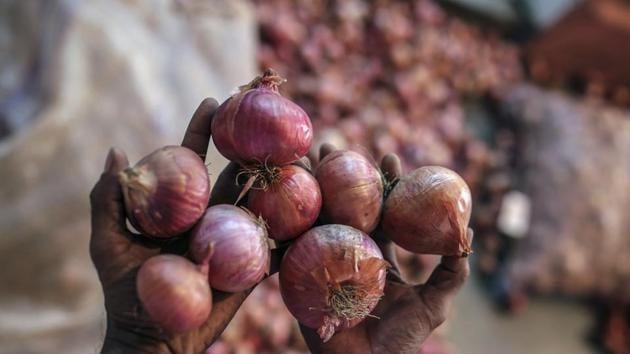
(110, 160)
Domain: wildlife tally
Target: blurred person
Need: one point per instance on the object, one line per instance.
(403, 319)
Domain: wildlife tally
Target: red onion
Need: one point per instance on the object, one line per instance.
(428, 212)
(352, 190)
(332, 277)
(258, 125)
(166, 192)
(175, 292)
(289, 202)
(239, 242)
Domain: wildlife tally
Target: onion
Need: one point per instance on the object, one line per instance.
(175, 292)
(428, 212)
(352, 190)
(166, 192)
(289, 201)
(258, 125)
(238, 239)
(331, 278)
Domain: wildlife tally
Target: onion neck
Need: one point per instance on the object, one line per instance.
(260, 176)
(269, 79)
(348, 301)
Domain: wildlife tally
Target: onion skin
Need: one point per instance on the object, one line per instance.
(289, 204)
(322, 261)
(428, 212)
(241, 255)
(258, 125)
(166, 192)
(174, 292)
(352, 190)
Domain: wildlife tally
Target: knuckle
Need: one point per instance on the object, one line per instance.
(434, 309)
(93, 195)
(94, 252)
(96, 191)
(436, 316)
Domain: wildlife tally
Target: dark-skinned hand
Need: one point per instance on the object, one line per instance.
(407, 314)
(118, 253)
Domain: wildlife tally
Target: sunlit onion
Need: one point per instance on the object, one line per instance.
(331, 278)
(166, 192)
(428, 212)
(352, 190)
(174, 292)
(239, 243)
(259, 126)
(289, 201)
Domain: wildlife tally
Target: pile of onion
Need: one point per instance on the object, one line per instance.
(428, 212)
(259, 126)
(352, 190)
(239, 244)
(166, 192)
(332, 277)
(289, 200)
(175, 292)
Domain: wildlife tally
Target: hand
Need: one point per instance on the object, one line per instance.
(117, 254)
(407, 314)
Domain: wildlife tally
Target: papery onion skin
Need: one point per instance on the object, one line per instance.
(259, 126)
(166, 192)
(289, 204)
(322, 261)
(428, 212)
(352, 190)
(241, 255)
(174, 292)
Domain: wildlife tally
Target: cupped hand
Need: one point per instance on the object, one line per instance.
(118, 253)
(406, 314)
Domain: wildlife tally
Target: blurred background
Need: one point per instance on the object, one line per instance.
(527, 99)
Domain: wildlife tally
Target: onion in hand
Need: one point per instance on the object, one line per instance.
(331, 278)
(238, 239)
(175, 292)
(166, 192)
(289, 201)
(352, 190)
(428, 212)
(259, 126)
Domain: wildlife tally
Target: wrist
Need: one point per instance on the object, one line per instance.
(113, 346)
(120, 340)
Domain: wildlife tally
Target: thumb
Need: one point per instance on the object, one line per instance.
(444, 283)
(106, 198)
(113, 248)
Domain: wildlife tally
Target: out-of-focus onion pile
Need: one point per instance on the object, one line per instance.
(387, 75)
